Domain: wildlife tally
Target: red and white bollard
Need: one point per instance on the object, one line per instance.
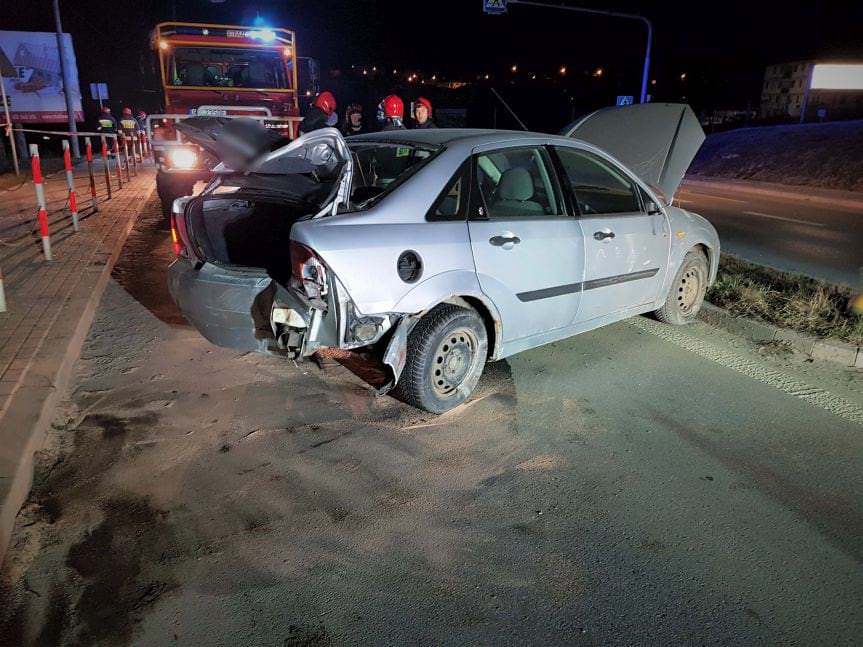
(36, 167)
(2, 293)
(104, 152)
(70, 182)
(126, 158)
(142, 139)
(89, 148)
(119, 164)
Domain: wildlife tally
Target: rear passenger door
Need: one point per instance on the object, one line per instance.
(527, 248)
(626, 249)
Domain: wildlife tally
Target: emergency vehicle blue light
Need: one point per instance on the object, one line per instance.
(267, 35)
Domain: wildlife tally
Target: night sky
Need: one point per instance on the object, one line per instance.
(722, 47)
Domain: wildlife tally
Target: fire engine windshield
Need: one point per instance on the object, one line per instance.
(231, 67)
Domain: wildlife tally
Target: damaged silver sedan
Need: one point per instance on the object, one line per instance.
(440, 249)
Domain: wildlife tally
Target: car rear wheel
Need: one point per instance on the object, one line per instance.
(686, 295)
(446, 354)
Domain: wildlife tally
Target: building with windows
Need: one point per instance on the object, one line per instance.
(783, 95)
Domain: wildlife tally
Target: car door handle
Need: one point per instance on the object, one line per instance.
(602, 235)
(507, 241)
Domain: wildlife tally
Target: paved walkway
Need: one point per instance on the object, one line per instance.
(49, 309)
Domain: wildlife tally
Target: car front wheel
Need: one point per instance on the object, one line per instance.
(687, 291)
(446, 354)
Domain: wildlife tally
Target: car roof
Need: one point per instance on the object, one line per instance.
(468, 137)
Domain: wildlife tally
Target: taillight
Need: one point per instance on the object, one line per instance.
(308, 270)
(176, 242)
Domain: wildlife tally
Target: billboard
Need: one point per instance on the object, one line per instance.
(837, 77)
(30, 66)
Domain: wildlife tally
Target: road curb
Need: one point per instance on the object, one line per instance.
(828, 350)
(776, 193)
(45, 383)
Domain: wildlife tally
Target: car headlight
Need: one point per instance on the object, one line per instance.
(183, 158)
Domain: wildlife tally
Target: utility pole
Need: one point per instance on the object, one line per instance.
(616, 14)
(67, 85)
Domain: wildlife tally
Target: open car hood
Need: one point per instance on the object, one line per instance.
(315, 168)
(657, 141)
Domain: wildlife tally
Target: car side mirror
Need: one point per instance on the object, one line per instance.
(652, 208)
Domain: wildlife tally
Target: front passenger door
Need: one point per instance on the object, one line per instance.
(527, 249)
(626, 248)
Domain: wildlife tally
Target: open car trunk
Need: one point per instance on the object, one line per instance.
(245, 231)
(244, 218)
(237, 232)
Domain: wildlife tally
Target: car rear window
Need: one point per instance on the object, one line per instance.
(379, 167)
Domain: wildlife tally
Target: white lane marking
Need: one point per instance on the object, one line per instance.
(714, 197)
(813, 395)
(794, 220)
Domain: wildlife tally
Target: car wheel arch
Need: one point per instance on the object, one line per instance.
(484, 310)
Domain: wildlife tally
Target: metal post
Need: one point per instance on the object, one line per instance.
(105, 162)
(126, 159)
(88, 147)
(2, 293)
(805, 103)
(67, 85)
(9, 133)
(70, 183)
(119, 162)
(631, 16)
(36, 168)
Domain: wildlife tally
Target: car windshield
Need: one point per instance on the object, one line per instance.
(231, 67)
(379, 167)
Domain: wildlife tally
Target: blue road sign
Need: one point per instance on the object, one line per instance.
(99, 91)
(624, 100)
(494, 7)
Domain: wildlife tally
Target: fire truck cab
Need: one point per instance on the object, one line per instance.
(217, 70)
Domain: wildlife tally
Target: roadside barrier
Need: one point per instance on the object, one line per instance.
(106, 162)
(88, 147)
(36, 167)
(119, 162)
(44, 221)
(70, 182)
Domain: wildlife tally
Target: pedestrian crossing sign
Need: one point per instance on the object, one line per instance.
(494, 7)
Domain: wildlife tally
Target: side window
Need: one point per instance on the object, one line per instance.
(451, 203)
(598, 186)
(517, 183)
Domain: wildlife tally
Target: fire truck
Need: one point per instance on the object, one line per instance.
(217, 71)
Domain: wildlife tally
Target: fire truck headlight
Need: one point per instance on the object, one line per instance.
(183, 158)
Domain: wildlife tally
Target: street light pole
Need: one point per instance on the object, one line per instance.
(67, 85)
(616, 14)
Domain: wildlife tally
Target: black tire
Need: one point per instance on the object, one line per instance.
(686, 294)
(446, 354)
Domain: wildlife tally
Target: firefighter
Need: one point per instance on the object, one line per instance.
(141, 118)
(107, 123)
(423, 113)
(353, 120)
(391, 113)
(321, 114)
(128, 124)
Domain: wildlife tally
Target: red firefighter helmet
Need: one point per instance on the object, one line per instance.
(127, 111)
(422, 101)
(326, 102)
(106, 109)
(393, 107)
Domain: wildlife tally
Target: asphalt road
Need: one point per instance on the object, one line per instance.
(821, 241)
(635, 485)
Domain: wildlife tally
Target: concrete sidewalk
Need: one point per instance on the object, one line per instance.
(49, 310)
